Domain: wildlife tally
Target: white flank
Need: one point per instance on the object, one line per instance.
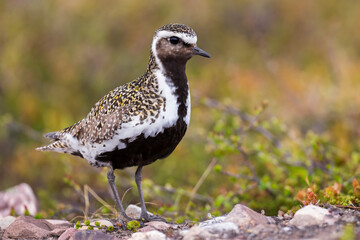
(188, 108)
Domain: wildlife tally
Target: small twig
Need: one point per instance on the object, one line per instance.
(75, 218)
(200, 182)
(86, 198)
(341, 206)
(127, 190)
(247, 160)
(99, 214)
(177, 199)
(99, 199)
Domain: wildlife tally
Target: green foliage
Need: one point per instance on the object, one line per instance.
(26, 212)
(77, 225)
(133, 225)
(105, 210)
(270, 171)
(13, 212)
(38, 215)
(343, 196)
(217, 168)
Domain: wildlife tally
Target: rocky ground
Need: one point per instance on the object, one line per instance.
(310, 222)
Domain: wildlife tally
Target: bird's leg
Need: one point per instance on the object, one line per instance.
(111, 179)
(144, 216)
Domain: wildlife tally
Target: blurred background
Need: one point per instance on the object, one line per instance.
(285, 68)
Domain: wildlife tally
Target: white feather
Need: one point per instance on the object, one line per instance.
(188, 109)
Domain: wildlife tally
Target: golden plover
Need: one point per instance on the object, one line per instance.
(141, 121)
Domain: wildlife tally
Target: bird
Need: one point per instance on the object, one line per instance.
(141, 121)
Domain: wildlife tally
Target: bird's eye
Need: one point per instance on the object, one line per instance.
(174, 40)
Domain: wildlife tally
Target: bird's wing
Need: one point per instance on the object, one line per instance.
(108, 115)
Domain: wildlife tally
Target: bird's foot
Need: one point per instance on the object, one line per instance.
(125, 217)
(121, 224)
(121, 221)
(149, 218)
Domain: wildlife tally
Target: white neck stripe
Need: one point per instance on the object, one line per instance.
(153, 49)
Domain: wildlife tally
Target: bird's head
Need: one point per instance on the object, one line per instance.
(176, 43)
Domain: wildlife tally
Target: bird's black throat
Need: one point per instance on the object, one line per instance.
(145, 150)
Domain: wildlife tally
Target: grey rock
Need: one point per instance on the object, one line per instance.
(263, 228)
(245, 217)
(91, 234)
(18, 197)
(212, 221)
(223, 230)
(312, 215)
(226, 227)
(155, 225)
(60, 223)
(197, 233)
(68, 234)
(6, 221)
(286, 229)
(28, 227)
(58, 231)
(134, 211)
(350, 218)
(102, 222)
(151, 235)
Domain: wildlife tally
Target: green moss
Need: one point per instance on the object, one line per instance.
(133, 225)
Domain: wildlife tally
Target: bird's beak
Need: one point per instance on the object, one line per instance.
(199, 51)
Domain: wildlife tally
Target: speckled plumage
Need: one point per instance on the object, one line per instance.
(138, 98)
(142, 121)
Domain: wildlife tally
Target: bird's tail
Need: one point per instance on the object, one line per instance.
(54, 136)
(57, 146)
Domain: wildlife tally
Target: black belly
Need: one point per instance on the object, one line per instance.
(144, 151)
